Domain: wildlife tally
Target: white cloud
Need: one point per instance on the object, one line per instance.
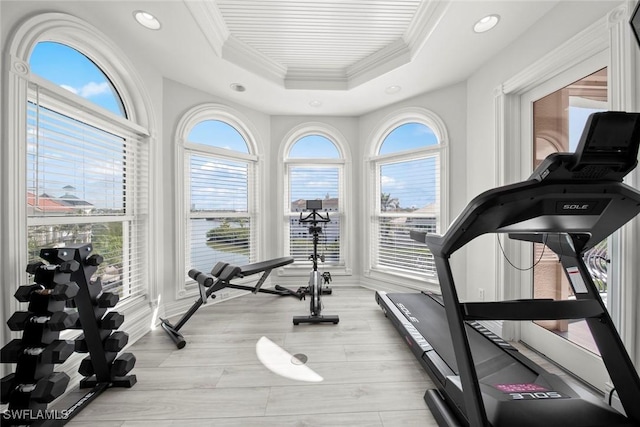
(387, 180)
(89, 90)
(93, 89)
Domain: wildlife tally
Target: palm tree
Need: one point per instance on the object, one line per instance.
(388, 203)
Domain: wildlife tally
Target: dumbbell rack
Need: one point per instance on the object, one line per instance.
(64, 282)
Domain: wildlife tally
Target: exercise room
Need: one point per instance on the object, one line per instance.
(320, 213)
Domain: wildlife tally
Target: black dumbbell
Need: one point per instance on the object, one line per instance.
(113, 343)
(56, 352)
(119, 368)
(32, 267)
(95, 260)
(45, 390)
(56, 322)
(107, 300)
(123, 364)
(111, 320)
(60, 292)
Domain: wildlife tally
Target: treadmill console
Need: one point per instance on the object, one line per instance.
(607, 151)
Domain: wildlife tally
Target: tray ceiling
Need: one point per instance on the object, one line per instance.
(314, 44)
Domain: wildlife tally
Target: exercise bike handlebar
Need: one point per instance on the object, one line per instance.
(315, 217)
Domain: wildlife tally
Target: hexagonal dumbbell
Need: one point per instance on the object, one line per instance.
(56, 322)
(111, 320)
(56, 352)
(113, 343)
(45, 390)
(95, 260)
(32, 267)
(107, 300)
(119, 368)
(60, 292)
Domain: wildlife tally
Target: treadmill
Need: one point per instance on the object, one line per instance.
(571, 202)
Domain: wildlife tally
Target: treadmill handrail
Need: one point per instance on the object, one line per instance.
(532, 309)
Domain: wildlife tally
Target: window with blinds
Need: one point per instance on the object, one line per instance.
(314, 169)
(87, 183)
(407, 195)
(314, 183)
(221, 223)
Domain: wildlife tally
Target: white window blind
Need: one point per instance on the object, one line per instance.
(87, 184)
(221, 225)
(408, 191)
(314, 183)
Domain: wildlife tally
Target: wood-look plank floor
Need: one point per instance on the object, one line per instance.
(370, 376)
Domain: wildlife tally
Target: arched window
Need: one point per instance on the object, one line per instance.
(407, 168)
(72, 70)
(314, 170)
(218, 170)
(86, 161)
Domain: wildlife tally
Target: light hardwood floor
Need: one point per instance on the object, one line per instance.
(370, 376)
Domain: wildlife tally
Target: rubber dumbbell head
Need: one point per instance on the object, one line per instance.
(112, 320)
(45, 390)
(69, 266)
(60, 292)
(116, 341)
(81, 343)
(107, 300)
(56, 322)
(86, 367)
(32, 267)
(123, 365)
(95, 260)
(56, 352)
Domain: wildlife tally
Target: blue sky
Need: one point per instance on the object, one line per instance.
(73, 71)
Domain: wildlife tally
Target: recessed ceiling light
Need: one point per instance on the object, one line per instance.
(486, 23)
(238, 87)
(146, 19)
(393, 89)
(315, 103)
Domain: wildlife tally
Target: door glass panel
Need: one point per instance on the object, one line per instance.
(558, 121)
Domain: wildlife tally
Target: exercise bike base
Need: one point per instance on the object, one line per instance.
(315, 319)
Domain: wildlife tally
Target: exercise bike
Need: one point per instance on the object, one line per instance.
(316, 279)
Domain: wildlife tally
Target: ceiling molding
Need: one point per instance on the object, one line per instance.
(211, 23)
(252, 60)
(322, 75)
(426, 20)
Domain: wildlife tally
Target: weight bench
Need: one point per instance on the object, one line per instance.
(220, 277)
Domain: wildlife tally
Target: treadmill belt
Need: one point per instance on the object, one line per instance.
(493, 364)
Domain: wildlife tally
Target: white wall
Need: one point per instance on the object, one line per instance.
(563, 22)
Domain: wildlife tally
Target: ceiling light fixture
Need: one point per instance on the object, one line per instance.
(238, 87)
(147, 20)
(486, 23)
(315, 103)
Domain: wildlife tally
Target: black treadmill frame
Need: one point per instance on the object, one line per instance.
(545, 205)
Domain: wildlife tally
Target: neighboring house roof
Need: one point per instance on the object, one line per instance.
(327, 204)
(46, 203)
(71, 200)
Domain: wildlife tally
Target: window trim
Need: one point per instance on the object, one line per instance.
(347, 233)
(113, 62)
(202, 112)
(372, 160)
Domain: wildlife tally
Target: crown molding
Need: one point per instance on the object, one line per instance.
(211, 23)
(402, 51)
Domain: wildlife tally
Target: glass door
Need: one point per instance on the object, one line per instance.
(557, 118)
